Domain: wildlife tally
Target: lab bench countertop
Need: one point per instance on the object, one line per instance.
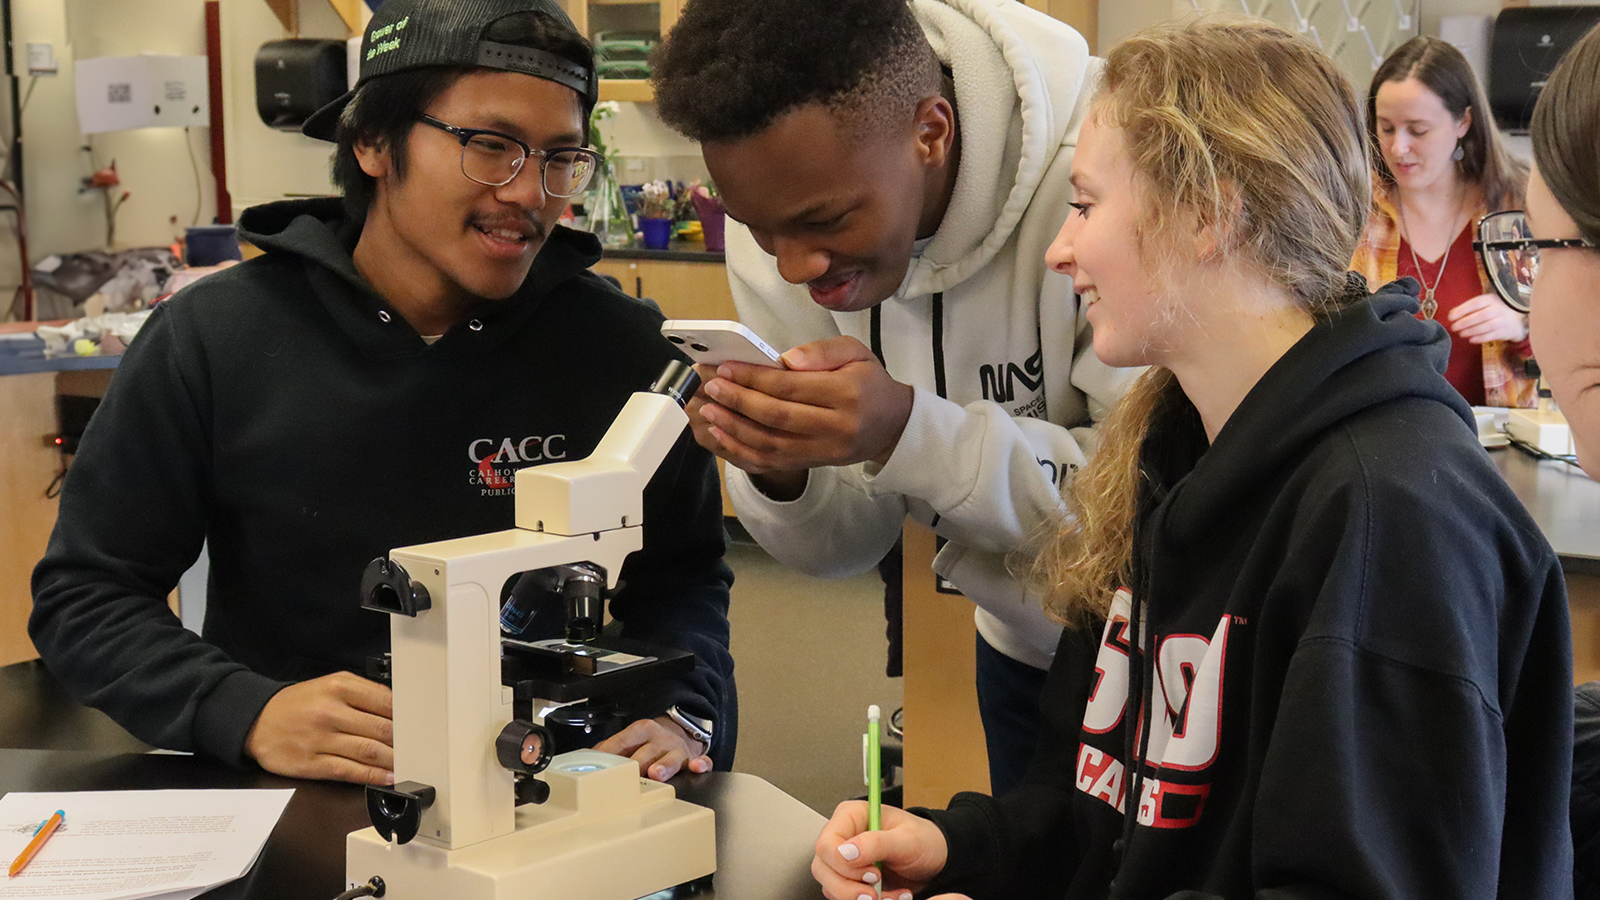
(1564, 502)
(764, 836)
(22, 352)
(677, 251)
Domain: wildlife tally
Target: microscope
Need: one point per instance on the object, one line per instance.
(481, 809)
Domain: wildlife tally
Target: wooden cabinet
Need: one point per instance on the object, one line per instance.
(619, 30)
(27, 418)
(605, 20)
(1082, 15)
(944, 749)
(683, 290)
(29, 465)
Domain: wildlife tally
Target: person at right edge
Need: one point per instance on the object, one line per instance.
(1553, 277)
(1315, 646)
(893, 172)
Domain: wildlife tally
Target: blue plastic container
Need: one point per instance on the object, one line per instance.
(207, 245)
(657, 232)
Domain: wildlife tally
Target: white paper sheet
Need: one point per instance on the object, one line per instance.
(124, 845)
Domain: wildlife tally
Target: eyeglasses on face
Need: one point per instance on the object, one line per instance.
(1511, 255)
(493, 159)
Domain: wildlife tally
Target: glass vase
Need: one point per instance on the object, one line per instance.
(609, 219)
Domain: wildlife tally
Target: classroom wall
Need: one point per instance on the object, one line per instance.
(263, 164)
(266, 165)
(155, 164)
(648, 150)
(1120, 18)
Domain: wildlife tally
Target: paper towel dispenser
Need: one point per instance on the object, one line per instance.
(295, 77)
(1528, 42)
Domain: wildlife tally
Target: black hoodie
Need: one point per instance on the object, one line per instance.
(1355, 644)
(1586, 791)
(282, 411)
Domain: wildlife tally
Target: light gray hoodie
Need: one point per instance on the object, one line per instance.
(1008, 386)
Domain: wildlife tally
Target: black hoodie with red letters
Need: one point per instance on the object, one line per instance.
(282, 412)
(1343, 668)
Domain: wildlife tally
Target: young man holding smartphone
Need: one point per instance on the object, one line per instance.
(893, 172)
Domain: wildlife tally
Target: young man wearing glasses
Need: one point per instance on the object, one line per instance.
(373, 381)
(893, 172)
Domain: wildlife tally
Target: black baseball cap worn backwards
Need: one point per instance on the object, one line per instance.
(412, 34)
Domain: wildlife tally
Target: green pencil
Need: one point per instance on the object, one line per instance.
(874, 769)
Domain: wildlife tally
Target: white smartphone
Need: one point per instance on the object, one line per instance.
(716, 341)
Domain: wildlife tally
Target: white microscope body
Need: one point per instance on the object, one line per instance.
(604, 833)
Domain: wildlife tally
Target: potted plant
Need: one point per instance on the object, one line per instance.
(655, 214)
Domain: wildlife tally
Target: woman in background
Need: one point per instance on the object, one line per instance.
(1559, 239)
(1316, 648)
(1440, 167)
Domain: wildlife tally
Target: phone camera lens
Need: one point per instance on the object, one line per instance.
(701, 347)
(675, 339)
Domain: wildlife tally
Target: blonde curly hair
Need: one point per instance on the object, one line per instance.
(1248, 129)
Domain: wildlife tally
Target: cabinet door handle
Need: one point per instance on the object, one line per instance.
(638, 286)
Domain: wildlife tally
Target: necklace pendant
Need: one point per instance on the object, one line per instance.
(1429, 305)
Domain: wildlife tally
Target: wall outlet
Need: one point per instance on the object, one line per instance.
(41, 59)
(1546, 429)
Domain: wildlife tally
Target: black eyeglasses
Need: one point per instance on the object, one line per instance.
(1511, 255)
(493, 159)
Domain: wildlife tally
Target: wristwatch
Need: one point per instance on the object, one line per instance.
(698, 728)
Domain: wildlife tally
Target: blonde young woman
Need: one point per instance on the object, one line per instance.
(1440, 167)
(1325, 652)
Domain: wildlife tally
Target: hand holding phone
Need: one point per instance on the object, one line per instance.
(713, 342)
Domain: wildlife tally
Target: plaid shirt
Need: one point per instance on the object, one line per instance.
(1377, 258)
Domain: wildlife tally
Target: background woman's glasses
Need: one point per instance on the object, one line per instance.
(1511, 255)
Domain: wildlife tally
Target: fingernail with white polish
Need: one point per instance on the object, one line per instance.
(869, 877)
(864, 897)
(849, 851)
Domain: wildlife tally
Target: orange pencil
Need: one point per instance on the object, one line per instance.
(41, 835)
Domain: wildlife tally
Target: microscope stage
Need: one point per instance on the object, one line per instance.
(553, 671)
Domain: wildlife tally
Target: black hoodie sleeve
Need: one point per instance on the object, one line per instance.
(1024, 843)
(133, 516)
(676, 593)
(1420, 743)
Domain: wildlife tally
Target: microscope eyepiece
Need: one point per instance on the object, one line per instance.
(678, 381)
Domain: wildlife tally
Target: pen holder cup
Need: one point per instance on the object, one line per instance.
(710, 211)
(657, 232)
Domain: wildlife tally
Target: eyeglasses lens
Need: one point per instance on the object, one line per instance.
(489, 160)
(567, 173)
(1512, 269)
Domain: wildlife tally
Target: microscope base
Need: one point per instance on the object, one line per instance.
(589, 840)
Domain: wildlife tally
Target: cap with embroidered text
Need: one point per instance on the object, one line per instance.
(413, 34)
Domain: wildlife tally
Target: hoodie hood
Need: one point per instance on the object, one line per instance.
(1372, 352)
(319, 233)
(1005, 72)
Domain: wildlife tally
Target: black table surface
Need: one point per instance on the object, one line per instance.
(1563, 501)
(764, 836)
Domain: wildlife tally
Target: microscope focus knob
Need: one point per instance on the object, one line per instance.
(524, 747)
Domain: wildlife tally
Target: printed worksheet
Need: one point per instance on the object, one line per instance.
(125, 845)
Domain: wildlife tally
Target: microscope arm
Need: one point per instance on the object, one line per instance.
(605, 490)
